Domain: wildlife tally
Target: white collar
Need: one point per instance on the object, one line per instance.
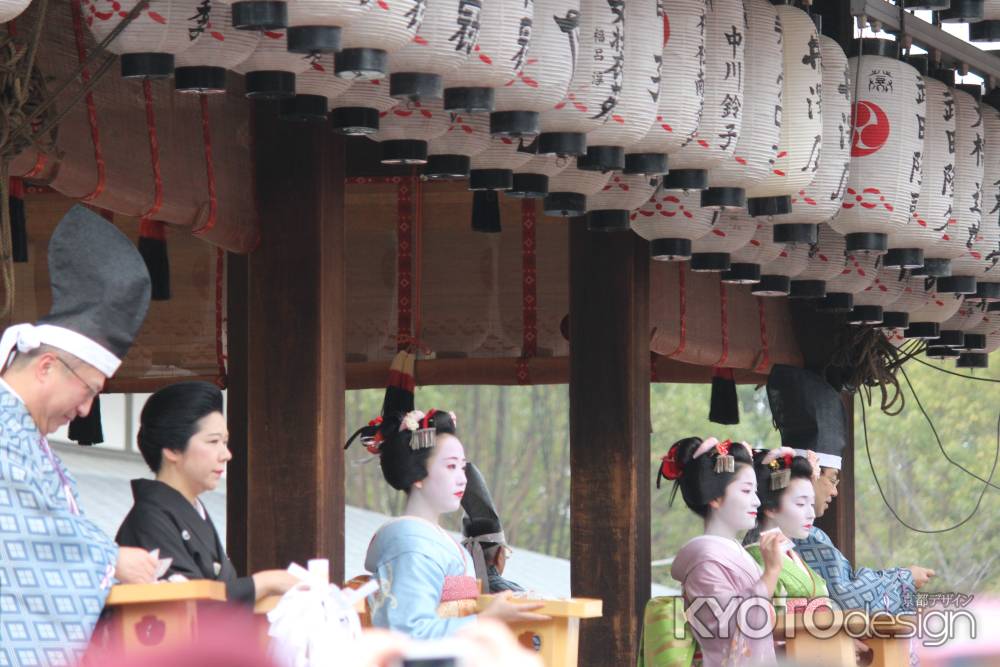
(10, 389)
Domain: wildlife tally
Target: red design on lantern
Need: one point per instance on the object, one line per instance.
(871, 129)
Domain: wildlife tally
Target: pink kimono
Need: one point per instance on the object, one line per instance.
(715, 567)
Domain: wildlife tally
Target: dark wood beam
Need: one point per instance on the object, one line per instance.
(609, 438)
(286, 324)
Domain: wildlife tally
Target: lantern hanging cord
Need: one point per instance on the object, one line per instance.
(925, 531)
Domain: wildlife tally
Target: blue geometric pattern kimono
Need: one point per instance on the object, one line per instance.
(55, 565)
(889, 590)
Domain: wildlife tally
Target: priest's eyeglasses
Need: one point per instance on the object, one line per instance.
(91, 392)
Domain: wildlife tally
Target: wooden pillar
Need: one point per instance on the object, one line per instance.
(838, 522)
(609, 438)
(286, 354)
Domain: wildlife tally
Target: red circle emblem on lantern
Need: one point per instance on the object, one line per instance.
(871, 129)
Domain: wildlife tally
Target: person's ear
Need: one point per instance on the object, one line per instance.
(170, 455)
(715, 503)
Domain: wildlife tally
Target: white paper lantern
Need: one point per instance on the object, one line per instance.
(776, 275)
(570, 189)
(598, 72)
(532, 178)
(545, 71)
(887, 142)
(201, 68)
(681, 84)
(858, 274)
(447, 36)
(314, 90)
(827, 259)
(386, 28)
(820, 201)
(930, 226)
(610, 209)
(316, 25)
(925, 322)
(745, 263)
(719, 127)
(671, 220)
(871, 303)
(504, 38)
(802, 124)
(985, 336)
(357, 110)
(149, 43)
(493, 168)
(760, 114)
(912, 297)
(970, 164)
(635, 111)
(11, 9)
(270, 70)
(963, 322)
(405, 129)
(731, 230)
(449, 155)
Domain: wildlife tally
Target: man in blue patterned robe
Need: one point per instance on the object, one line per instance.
(57, 566)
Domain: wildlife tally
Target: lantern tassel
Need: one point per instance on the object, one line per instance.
(724, 407)
(486, 212)
(87, 431)
(153, 248)
(18, 222)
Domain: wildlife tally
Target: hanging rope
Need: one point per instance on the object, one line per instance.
(404, 264)
(765, 353)
(95, 133)
(529, 291)
(418, 243)
(724, 319)
(682, 308)
(154, 152)
(222, 379)
(206, 136)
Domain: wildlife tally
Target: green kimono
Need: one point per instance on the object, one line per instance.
(797, 580)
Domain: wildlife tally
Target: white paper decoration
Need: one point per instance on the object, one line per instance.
(545, 72)
(760, 115)
(912, 297)
(387, 27)
(874, 300)
(682, 80)
(820, 201)
(932, 223)
(597, 78)
(532, 178)
(505, 28)
(357, 110)
(447, 35)
(799, 150)
(719, 128)
(201, 68)
(731, 230)
(449, 154)
(988, 333)
(270, 70)
(405, 129)
(776, 275)
(858, 273)
(965, 320)
(570, 189)
(315, 25)
(611, 208)
(11, 9)
(887, 142)
(925, 322)
(826, 262)
(320, 80)
(149, 43)
(638, 100)
(493, 168)
(670, 221)
(745, 263)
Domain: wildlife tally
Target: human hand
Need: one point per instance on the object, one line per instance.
(135, 566)
(771, 550)
(504, 610)
(863, 654)
(921, 575)
(273, 582)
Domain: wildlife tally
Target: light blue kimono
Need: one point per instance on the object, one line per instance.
(889, 590)
(56, 566)
(410, 558)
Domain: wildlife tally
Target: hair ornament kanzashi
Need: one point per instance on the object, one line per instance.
(370, 436)
(422, 427)
(779, 460)
(670, 467)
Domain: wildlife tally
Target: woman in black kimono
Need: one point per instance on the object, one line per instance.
(184, 440)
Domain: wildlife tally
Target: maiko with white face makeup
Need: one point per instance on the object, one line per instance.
(718, 483)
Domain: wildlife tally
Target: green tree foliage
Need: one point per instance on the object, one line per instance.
(519, 437)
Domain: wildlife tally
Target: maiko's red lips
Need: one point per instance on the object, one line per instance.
(459, 494)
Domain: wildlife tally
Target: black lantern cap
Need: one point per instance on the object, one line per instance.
(646, 163)
(942, 352)
(949, 338)
(923, 330)
(269, 85)
(867, 242)
(957, 284)
(963, 11)
(469, 99)
(565, 204)
(796, 233)
(973, 360)
(491, 179)
(686, 179)
(602, 158)
(836, 302)
(903, 258)
(742, 273)
(986, 291)
(870, 46)
(895, 319)
(807, 289)
(710, 261)
(354, 120)
(304, 108)
(201, 79)
(764, 206)
(936, 5)
(865, 315)
(670, 250)
(365, 64)
(562, 143)
(447, 167)
(404, 151)
(772, 285)
(258, 15)
(514, 123)
(531, 186)
(724, 198)
(608, 220)
(415, 86)
(974, 342)
(147, 65)
(936, 267)
(984, 31)
(313, 39)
